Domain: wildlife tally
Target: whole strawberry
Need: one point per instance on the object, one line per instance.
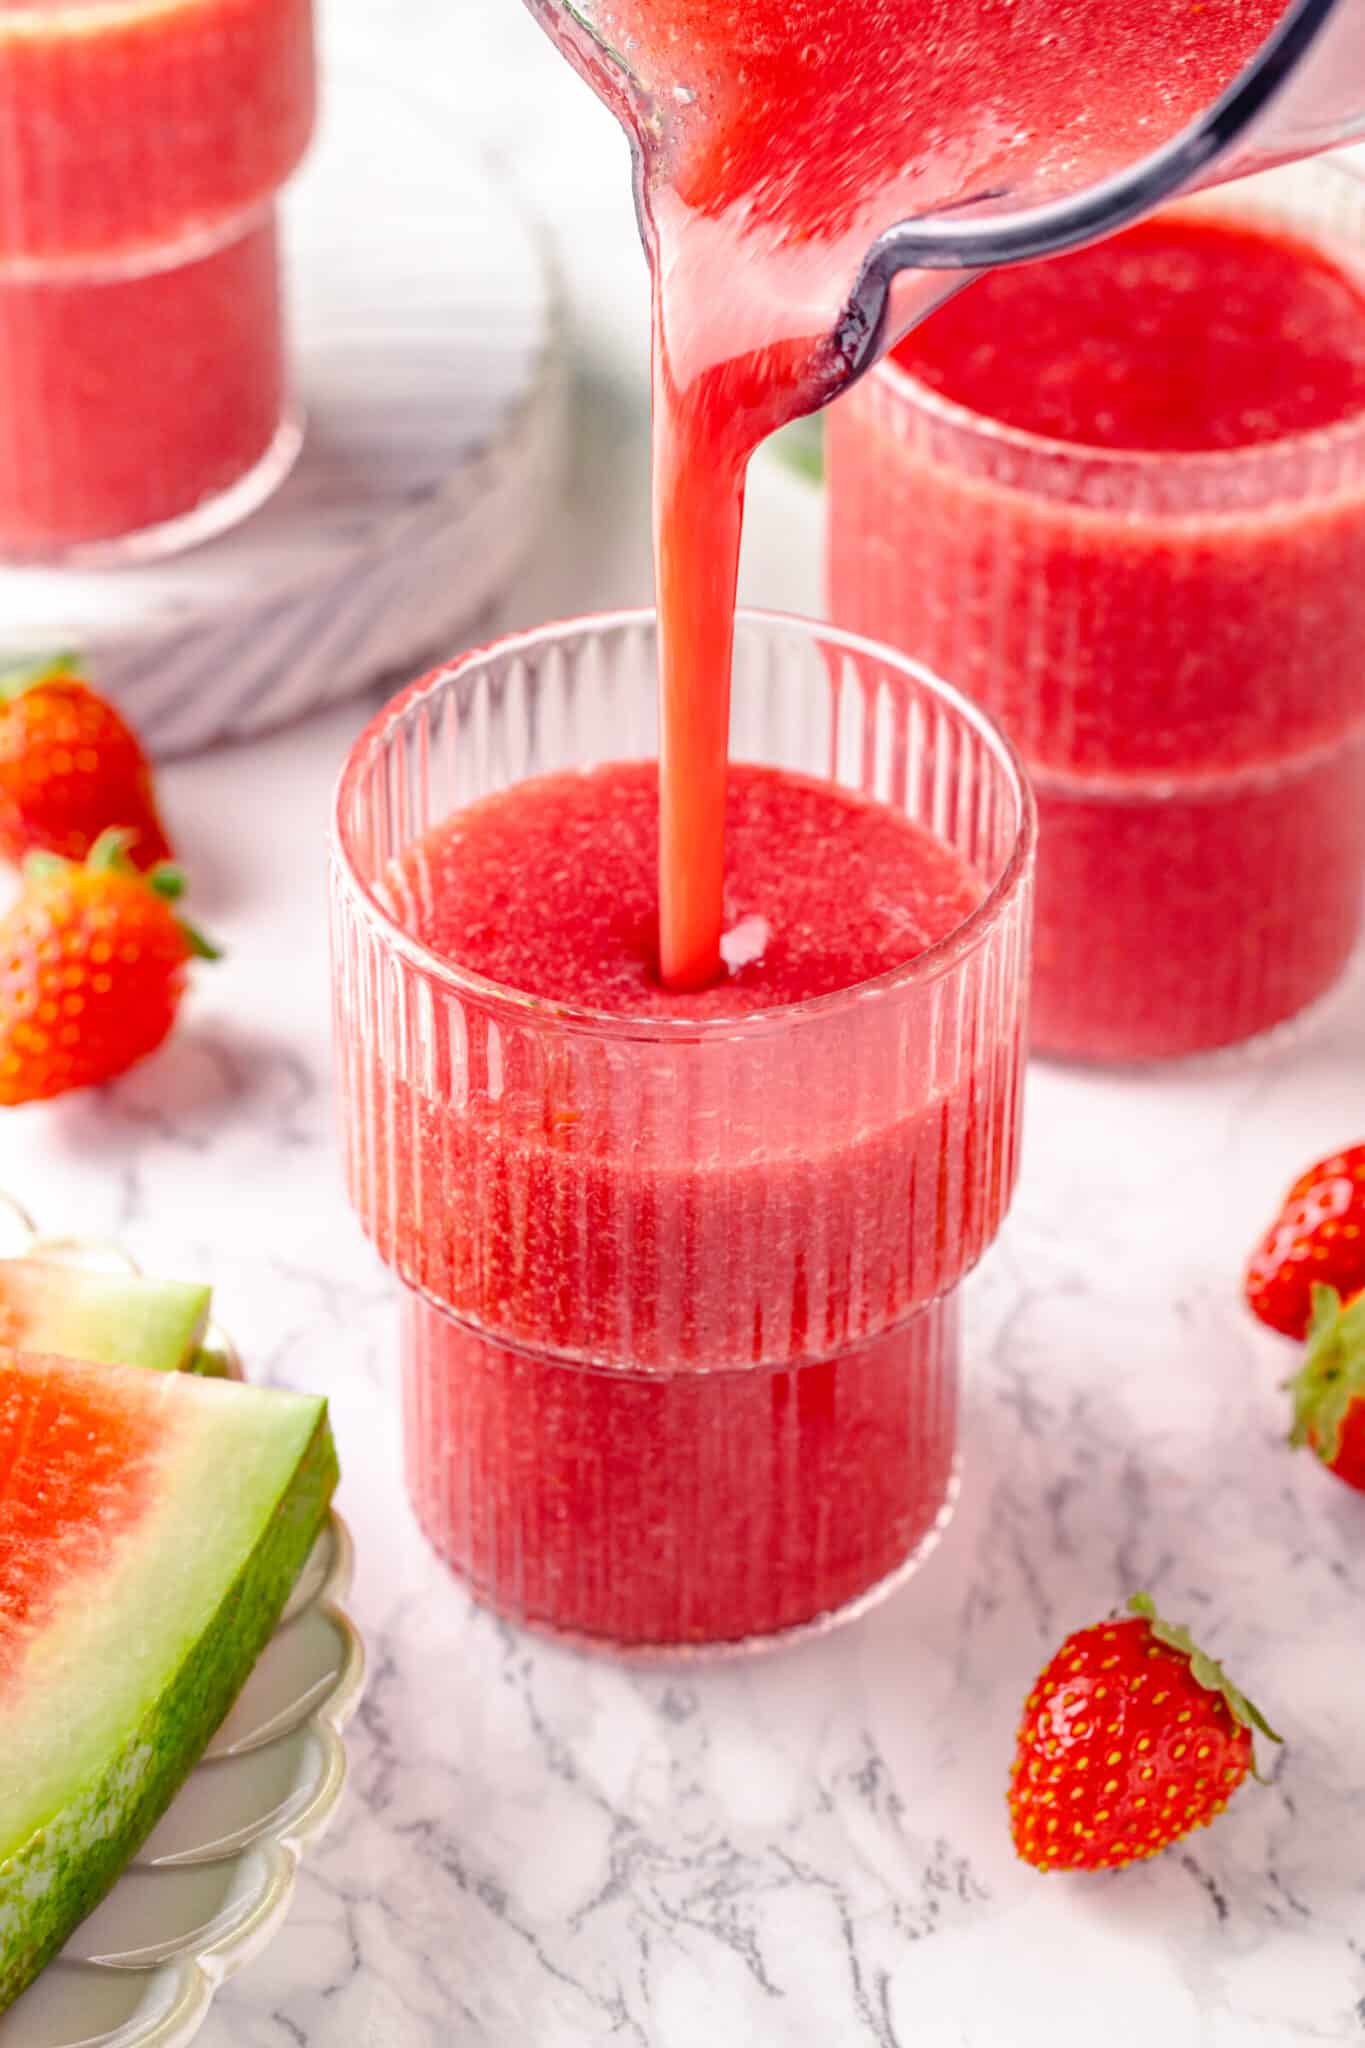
(1317, 1238)
(92, 969)
(1130, 1738)
(70, 768)
(1329, 1391)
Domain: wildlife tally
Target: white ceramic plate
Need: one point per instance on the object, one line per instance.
(214, 1881)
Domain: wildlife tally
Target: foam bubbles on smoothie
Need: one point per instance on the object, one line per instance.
(550, 887)
(745, 943)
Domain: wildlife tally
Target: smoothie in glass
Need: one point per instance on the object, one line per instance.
(683, 1094)
(681, 1345)
(142, 392)
(1120, 499)
(136, 124)
(776, 140)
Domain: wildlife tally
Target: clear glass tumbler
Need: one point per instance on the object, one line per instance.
(680, 1343)
(143, 397)
(1176, 643)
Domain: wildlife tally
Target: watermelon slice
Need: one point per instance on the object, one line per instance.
(151, 1528)
(106, 1318)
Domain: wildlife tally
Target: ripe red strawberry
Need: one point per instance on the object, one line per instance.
(92, 969)
(70, 768)
(1329, 1391)
(1130, 1738)
(1318, 1237)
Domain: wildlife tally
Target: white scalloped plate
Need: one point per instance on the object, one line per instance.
(214, 1881)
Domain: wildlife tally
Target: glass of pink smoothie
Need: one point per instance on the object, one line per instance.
(681, 1325)
(143, 396)
(1119, 499)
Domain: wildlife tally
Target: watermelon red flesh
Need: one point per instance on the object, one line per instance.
(64, 1451)
(152, 1526)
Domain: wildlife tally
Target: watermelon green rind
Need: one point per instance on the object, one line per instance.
(212, 1362)
(106, 1318)
(122, 1692)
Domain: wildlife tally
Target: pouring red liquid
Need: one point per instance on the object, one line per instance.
(683, 1260)
(777, 139)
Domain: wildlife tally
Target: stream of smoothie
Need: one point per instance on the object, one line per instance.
(777, 139)
(683, 1168)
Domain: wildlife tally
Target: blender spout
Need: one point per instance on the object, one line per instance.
(1303, 93)
(889, 298)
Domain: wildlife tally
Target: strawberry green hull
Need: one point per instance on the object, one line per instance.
(123, 1674)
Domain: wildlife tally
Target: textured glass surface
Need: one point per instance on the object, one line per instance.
(1175, 644)
(768, 1203)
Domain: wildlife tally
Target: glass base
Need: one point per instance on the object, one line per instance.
(731, 1650)
(668, 1515)
(1183, 919)
(206, 521)
(1266, 1044)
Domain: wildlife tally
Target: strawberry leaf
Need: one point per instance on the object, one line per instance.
(24, 676)
(202, 948)
(1203, 1668)
(167, 881)
(1332, 1377)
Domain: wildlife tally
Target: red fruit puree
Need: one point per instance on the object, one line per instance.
(778, 138)
(125, 403)
(634, 1379)
(1156, 579)
(141, 148)
(628, 1428)
(671, 1509)
(550, 888)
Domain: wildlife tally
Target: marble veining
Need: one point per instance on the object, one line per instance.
(809, 1848)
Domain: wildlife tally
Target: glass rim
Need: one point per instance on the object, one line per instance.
(979, 427)
(925, 967)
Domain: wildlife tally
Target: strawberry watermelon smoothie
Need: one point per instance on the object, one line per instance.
(127, 401)
(642, 1255)
(141, 150)
(681, 1341)
(1120, 499)
(547, 1475)
(136, 126)
(776, 141)
(585, 1500)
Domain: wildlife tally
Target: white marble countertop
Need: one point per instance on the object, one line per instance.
(541, 1851)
